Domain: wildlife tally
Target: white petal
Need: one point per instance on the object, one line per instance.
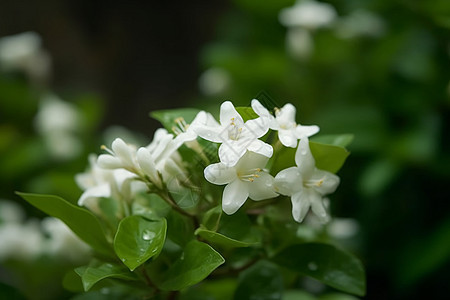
(300, 205)
(260, 110)
(123, 151)
(107, 161)
(234, 196)
(209, 133)
(219, 173)
(231, 151)
(304, 159)
(256, 128)
(318, 208)
(287, 138)
(262, 187)
(289, 181)
(91, 194)
(302, 131)
(328, 182)
(228, 112)
(147, 164)
(260, 147)
(286, 114)
(251, 161)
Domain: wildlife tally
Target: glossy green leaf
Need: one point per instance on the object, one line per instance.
(179, 228)
(90, 275)
(168, 117)
(228, 231)
(326, 263)
(262, 281)
(328, 157)
(341, 140)
(81, 221)
(196, 262)
(138, 239)
(246, 113)
(224, 241)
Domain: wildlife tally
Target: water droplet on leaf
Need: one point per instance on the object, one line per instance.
(147, 235)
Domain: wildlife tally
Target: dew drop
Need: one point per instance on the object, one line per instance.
(147, 235)
(312, 266)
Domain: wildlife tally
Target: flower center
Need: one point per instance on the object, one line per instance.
(235, 130)
(313, 183)
(249, 175)
(181, 127)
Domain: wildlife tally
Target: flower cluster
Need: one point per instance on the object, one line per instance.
(243, 157)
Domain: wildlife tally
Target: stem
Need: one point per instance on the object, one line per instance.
(168, 198)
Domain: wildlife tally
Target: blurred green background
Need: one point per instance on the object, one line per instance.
(378, 69)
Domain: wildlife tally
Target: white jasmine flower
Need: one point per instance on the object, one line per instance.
(186, 133)
(122, 155)
(236, 136)
(63, 243)
(309, 14)
(103, 183)
(24, 52)
(306, 185)
(244, 180)
(161, 152)
(284, 122)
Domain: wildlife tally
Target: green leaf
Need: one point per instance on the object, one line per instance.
(179, 228)
(261, 281)
(228, 231)
(224, 241)
(326, 263)
(341, 140)
(90, 275)
(246, 113)
(168, 117)
(196, 262)
(328, 157)
(81, 221)
(138, 239)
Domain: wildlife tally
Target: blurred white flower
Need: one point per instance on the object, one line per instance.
(301, 20)
(235, 136)
(24, 52)
(58, 121)
(289, 132)
(214, 81)
(21, 241)
(360, 23)
(306, 185)
(244, 180)
(308, 14)
(299, 43)
(341, 228)
(63, 243)
(11, 212)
